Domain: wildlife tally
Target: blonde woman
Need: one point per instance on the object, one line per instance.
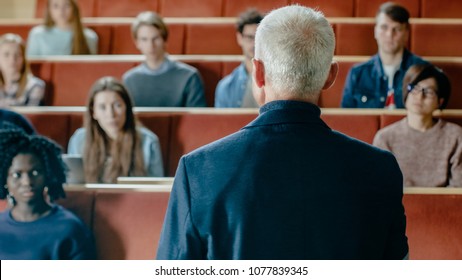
(112, 142)
(62, 33)
(18, 87)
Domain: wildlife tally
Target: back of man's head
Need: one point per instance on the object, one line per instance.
(296, 45)
(395, 12)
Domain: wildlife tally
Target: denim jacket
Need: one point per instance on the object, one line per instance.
(367, 84)
(231, 89)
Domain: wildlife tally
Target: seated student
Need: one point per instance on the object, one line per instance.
(32, 173)
(377, 83)
(62, 33)
(235, 90)
(10, 120)
(159, 81)
(428, 150)
(112, 142)
(18, 87)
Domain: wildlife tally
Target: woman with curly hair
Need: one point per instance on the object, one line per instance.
(32, 174)
(112, 142)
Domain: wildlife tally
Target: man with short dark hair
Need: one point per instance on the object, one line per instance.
(377, 83)
(235, 90)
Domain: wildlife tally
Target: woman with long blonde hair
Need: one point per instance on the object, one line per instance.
(112, 142)
(62, 33)
(18, 87)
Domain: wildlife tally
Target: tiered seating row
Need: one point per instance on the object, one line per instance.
(183, 130)
(433, 220)
(231, 8)
(64, 89)
(355, 36)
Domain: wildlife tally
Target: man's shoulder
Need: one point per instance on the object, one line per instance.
(181, 67)
(364, 66)
(137, 70)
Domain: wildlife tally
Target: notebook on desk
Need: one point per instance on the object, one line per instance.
(75, 173)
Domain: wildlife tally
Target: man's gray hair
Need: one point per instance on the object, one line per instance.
(296, 45)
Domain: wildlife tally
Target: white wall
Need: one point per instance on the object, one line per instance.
(17, 8)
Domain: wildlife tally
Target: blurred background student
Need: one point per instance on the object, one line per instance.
(18, 87)
(32, 173)
(112, 142)
(62, 33)
(428, 149)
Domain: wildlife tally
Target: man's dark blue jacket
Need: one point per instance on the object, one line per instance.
(286, 187)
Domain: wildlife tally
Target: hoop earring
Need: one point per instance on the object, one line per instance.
(11, 200)
(46, 195)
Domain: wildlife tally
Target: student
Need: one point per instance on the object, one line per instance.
(112, 142)
(286, 186)
(428, 149)
(32, 173)
(159, 81)
(235, 90)
(18, 87)
(377, 83)
(62, 32)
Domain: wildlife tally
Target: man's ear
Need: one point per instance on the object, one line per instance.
(258, 72)
(332, 75)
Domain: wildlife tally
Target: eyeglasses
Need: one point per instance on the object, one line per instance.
(249, 38)
(426, 92)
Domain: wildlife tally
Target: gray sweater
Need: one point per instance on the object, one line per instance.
(427, 159)
(174, 84)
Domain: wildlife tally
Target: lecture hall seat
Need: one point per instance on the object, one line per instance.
(330, 8)
(232, 8)
(368, 8)
(436, 39)
(441, 9)
(122, 8)
(191, 8)
(127, 225)
(190, 131)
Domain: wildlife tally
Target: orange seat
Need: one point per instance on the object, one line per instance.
(368, 8)
(191, 8)
(73, 80)
(439, 39)
(355, 38)
(111, 8)
(330, 8)
(127, 225)
(232, 8)
(52, 125)
(190, 131)
(332, 97)
(433, 226)
(208, 38)
(362, 127)
(441, 9)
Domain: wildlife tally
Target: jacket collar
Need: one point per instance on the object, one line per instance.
(288, 111)
(378, 67)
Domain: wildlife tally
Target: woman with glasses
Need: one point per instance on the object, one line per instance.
(428, 149)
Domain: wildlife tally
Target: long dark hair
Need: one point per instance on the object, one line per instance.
(126, 152)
